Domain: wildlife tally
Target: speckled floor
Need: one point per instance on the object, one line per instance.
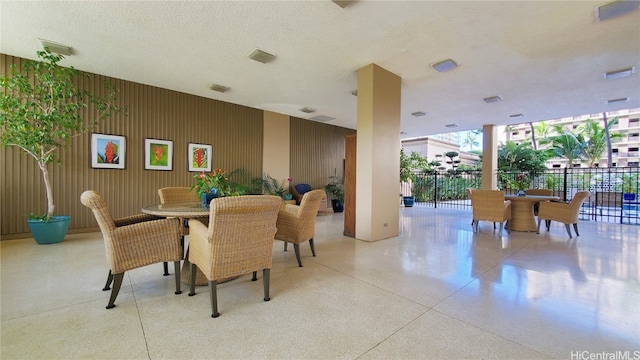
(438, 291)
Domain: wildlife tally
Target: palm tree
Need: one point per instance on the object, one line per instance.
(533, 136)
(598, 140)
(470, 140)
(566, 145)
(608, 137)
(543, 130)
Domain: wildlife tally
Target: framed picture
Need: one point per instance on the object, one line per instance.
(108, 151)
(200, 157)
(158, 154)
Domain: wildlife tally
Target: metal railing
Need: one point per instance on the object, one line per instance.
(613, 190)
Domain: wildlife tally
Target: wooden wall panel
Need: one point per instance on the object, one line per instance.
(317, 151)
(234, 131)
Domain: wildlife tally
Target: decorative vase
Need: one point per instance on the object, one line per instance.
(521, 193)
(288, 196)
(49, 232)
(207, 197)
(337, 205)
(408, 201)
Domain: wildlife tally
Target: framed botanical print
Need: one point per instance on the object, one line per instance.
(200, 157)
(108, 151)
(158, 154)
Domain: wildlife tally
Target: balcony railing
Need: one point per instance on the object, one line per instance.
(607, 201)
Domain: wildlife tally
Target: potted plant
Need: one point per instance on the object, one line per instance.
(335, 189)
(216, 184)
(40, 112)
(629, 187)
(408, 165)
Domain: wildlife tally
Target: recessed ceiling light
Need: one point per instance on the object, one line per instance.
(492, 99)
(56, 48)
(343, 3)
(418, 113)
(516, 115)
(619, 73)
(322, 118)
(614, 101)
(451, 125)
(307, 110)
(615, 9)
(261, 56)
(444, 65)
(219, 88)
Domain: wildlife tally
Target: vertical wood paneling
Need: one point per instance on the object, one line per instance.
(234, 131)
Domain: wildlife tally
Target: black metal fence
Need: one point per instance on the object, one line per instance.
(613, 190)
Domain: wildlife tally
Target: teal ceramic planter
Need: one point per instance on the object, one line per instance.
(49, 232)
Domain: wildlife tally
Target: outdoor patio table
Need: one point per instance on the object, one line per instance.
(522, 217)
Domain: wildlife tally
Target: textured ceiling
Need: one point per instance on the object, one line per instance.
(545, 59)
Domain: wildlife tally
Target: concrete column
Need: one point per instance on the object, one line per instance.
(275, 157)
(378, 154)
(489, 157)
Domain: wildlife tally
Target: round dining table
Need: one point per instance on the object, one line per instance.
(182, 210)
(522, 216)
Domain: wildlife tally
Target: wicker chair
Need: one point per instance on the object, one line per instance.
(566, 213)
(238, 241)
(177, 194)
(489, 205)
(539, 192)
(298, 192)
(133, 242)
(296, 224)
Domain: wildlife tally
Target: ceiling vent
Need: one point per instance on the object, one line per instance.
(516, 115)
(451, 125)
(444, 65)
(492, 99)
(418, 113)
(55, 47)
(615, 101)
(308, 110)
(261, 56)
(615, 9)
(343, 3)
(619, 73)
(322, 118)
(219, 88)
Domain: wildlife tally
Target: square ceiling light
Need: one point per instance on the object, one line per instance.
(492, 99)
(219, 88)
(444, 65)
(619, 73)
(56, 48)
(261, 56)
(615, 9)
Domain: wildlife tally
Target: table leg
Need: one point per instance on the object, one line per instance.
(522, 218)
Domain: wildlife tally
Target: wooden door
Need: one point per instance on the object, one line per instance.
(350, 185)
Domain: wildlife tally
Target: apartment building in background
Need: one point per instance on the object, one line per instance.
(625, 153)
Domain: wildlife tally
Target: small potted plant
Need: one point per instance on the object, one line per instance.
(216, 184)
(629, 187)
(335, 189)
(40, 112)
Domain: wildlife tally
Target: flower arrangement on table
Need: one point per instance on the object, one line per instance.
(520, 183)
(215, 182)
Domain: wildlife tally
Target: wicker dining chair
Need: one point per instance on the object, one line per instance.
(490, 205)
(177, 194)
(238, 241)
(566, 213)
(539, 192)
(297, 224)
(133, 242)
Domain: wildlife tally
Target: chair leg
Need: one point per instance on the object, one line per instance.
(313, 249)
(548, 223)
(117, 282)
(296, 248)
(107, 286)
(472, 221)
(285, 246)
(568, 227)
(494, 225)
(176, 270)
(166, 268)
(192, 280)
(501, 226)
(575, 227)
(539, 222)
(475, 226)
(266, 273)
(213, 294)
(255, 276)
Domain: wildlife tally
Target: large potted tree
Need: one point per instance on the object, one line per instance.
(40, 112)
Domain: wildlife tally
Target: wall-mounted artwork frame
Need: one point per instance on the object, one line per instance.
(158, 154)
(108, 151)
(200, 157)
